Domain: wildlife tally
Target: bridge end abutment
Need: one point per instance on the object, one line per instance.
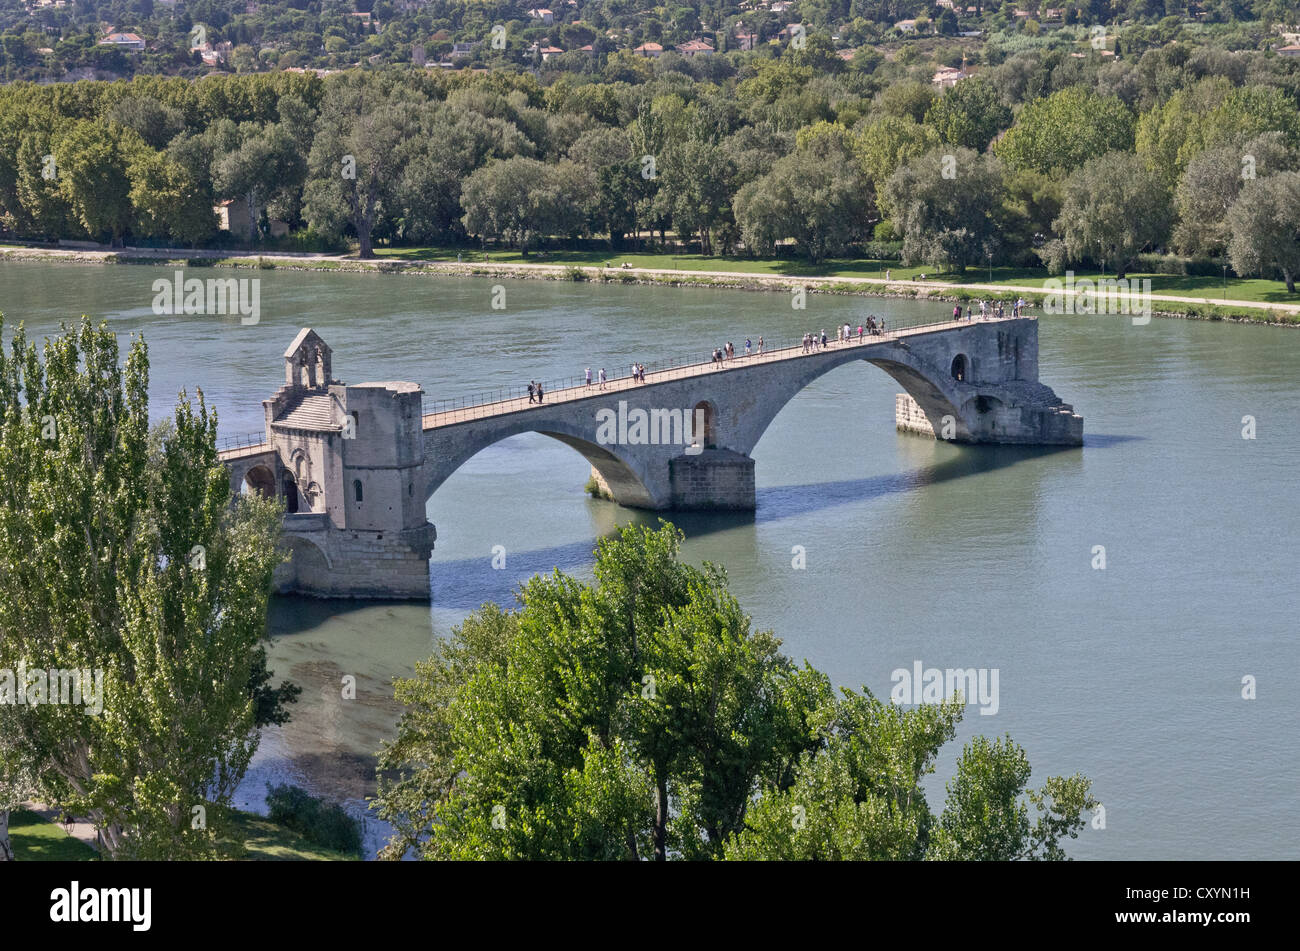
(325, 562)
(1005, 415)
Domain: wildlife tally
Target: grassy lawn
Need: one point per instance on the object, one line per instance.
(38, 840)
(1208, 287)
(264, 841)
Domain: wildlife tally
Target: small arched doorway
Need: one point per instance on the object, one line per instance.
(959, 368)
(290, 495)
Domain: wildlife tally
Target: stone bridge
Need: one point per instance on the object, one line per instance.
(356, 464)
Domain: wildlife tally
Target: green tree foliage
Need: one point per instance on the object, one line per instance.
(1264, 223)
(1114, 207)
(639, 716)
(1058, 134)
(884, 145)
(1211, 114)
(521, 200)
(947, 206)
(696, 184)
(969, 114)
(816, 196)
(1213, 181)
(93, 159)
(18, 781)
(354, 166)
(120, 552)
(629, 718)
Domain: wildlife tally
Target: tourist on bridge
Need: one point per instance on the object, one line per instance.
(532, 391)
(602, 378)
(824, 338)
(539, 392)
(588, 377)
(956, 312)
(760, 345)
(747, 346)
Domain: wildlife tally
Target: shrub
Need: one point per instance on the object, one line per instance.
(322, 823)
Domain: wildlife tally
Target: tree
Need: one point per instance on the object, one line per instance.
(92, 160)
(521, 200)
(947, 204)
(1213, 181)
(121, 554)
(631, 717)
(697, 185)
(857, 796)
(883, 145)
(168, 201)
(355, 162)
(1114, 207)
(253, 162)
(969, 114)
(816, 196)
(17, 781)
(1264, 223)
(1212, 114)
(1058, 134)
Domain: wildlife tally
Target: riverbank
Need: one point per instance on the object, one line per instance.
(38, 834)
(906, 286)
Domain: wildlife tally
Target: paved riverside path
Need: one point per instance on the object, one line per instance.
(82, 829)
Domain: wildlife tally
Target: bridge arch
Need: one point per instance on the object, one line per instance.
(449, 448)
(259, 480)
(934, 389)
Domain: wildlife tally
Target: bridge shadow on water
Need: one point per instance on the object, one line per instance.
(466, 583)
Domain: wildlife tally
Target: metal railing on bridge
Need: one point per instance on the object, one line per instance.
(241, 441)
(487, 403)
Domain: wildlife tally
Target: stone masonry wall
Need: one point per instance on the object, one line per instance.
(714, 479)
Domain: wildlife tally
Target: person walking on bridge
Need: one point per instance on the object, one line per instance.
(760, 345)
(588, 377)
(602, 378)
(532, 391)
(539, 392)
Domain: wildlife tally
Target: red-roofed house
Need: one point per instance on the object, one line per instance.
(695, 48)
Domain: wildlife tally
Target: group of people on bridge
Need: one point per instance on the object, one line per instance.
(728, 351)
(989, 311)
(844, 333)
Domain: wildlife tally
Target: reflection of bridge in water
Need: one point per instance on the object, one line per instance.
(356, 464)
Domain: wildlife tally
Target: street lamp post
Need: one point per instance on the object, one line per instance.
(1225, 283)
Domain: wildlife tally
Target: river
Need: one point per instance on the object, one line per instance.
(915, 550)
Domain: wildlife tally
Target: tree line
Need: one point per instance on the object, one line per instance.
(1045, 158)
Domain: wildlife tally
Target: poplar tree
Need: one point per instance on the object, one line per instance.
(120, 552)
